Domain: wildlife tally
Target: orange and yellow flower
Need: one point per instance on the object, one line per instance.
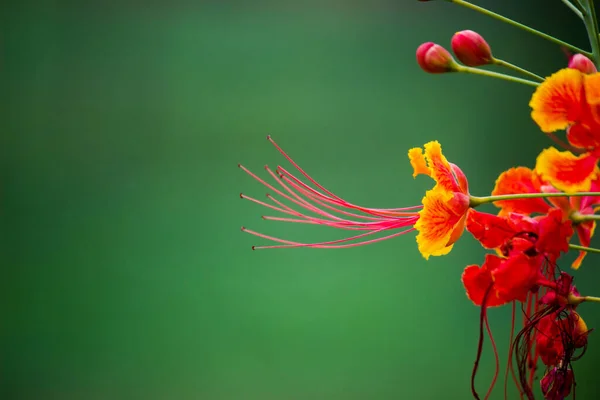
(442, 219)
(569, 99)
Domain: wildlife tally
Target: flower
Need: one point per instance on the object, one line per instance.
(525, 180)
(442, 219)
(524, 245)
(311, 203)
(569, 99)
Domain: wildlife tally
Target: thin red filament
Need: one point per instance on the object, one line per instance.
(311, 203)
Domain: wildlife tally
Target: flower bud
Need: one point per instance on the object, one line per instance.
(583, 64)
(435, 59)
(471, 48)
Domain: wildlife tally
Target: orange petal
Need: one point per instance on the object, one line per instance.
(440, 167)
(592, 88)
(558, 101)
(585, 231)
(417, 160)
(565, 171)
(519, 180)
(441, 221)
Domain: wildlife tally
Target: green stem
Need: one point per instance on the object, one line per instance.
(577, 300)
(519, 25)
(477, 71)
(577, 217)
(506, 64)
(591, 26)
(591, 299)
(573, 8)
(477, 201)
(583, 248)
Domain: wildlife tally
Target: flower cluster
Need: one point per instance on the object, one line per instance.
(543, 211)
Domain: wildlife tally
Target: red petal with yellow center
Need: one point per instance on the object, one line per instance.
(519, 180)
(559, 101)
(566, 171)
(440, 168)
(441, 221)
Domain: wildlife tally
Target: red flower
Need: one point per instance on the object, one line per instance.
(525, 180)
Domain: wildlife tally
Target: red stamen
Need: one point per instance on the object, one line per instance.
(482, 319)
(328, 209)
(323, 245)
(497, 368)
(509, 365)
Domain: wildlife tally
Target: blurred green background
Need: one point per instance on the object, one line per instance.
(124, 272)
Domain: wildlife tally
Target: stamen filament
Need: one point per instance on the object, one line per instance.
(318, 206)
(496, 358)
(563, 144)
(324, 245)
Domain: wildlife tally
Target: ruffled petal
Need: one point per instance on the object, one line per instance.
(592, 89)
(565, 171)
(441, 215)
(440, 168)
(555, 231)
(516, 276)
(519, 180)
(490, 230)
(477, 281)
(417, 160)
(559, 101)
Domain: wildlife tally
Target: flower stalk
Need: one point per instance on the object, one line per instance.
(516, 24)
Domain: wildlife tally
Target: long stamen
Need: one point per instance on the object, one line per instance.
(323, 245)
(496, 358)
(509, 365)
(482, 319)
(303, 203)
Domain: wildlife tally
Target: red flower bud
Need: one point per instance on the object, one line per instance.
(583, 64)
(435, 59)
(471, 48)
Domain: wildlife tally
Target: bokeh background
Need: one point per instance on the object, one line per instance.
(124, 271)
